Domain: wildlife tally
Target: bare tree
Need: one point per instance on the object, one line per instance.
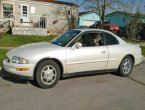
(133, 17)
(134, 27)
(68, 16)
(100, 7)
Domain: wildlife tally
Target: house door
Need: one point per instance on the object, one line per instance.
(25, 15)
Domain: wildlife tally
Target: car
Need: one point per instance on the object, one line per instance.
(82, 27)
(76, 51)
(106, 26)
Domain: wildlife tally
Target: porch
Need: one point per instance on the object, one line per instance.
(36, 25)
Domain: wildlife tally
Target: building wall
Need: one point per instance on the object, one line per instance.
(88, 17)
(56, 18)
(121, 19)
(118, 19)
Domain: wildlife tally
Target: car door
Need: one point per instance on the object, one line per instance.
(88, 57)
(116, 52)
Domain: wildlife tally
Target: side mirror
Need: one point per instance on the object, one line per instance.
(77, 45)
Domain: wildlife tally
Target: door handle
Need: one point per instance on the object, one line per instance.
(103, 51)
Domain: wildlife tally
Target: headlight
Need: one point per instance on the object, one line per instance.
(19, 60)
(7, 59)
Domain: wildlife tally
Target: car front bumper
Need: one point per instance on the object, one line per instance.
(13, 69)
(139, 60)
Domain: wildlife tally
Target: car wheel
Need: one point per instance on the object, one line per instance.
(47, 74)
(126, 66)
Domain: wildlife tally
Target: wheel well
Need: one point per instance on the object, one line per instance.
(131, 57)
(53, 59)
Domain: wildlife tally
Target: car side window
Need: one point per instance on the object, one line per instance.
(90, 39)
(110, 39)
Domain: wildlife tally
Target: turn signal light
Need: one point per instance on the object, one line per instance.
(22, 69)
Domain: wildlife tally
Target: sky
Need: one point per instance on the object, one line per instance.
(133, 5)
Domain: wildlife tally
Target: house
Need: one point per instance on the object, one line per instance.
(121, 18)
(37, 17)
(87, 18)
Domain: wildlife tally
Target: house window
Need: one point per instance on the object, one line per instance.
(7, 10)
(25, 10)
(69, 12)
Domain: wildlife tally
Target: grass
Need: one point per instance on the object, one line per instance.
(131, 40)
(143, 50)
(2, 55)
(7, 40)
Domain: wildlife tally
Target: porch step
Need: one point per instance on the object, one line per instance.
(4, 26)
(3, 30)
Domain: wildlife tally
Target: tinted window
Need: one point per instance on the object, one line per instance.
(110, 40)
(64, 39)
(90, 39)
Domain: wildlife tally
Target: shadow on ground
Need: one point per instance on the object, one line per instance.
(8, 77)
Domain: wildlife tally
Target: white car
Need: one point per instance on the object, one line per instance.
(76, 51)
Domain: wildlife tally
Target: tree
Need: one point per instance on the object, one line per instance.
(134, 27)
(68, 15)
(100, 7)
(132, 11)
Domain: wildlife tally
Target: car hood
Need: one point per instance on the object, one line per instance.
(33, 49)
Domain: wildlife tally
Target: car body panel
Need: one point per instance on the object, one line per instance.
(86, 59)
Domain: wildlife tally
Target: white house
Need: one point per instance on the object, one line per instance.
(37, 17)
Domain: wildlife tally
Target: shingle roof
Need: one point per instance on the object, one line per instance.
(83, 13)
(59, 2)
(124, 13)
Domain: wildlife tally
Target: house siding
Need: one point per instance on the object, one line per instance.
(121, 19)
(49, 10)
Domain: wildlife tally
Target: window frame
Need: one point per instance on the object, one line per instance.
(10, 12)
(112, 36)
(73, 41)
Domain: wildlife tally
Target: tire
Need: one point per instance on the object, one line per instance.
(126, 66)
(47, 74)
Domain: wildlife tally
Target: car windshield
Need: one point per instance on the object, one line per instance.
(65, 38)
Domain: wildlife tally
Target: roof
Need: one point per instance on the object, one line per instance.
(123, 12)
(83, 13)
(86, 12)
(59, 2)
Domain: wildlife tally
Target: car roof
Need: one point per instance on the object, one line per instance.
(86, 30)
(99, 30)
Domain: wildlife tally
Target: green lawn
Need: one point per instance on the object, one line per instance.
(7, 40)
(143, 51)
(130, 40)
(2, 55)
